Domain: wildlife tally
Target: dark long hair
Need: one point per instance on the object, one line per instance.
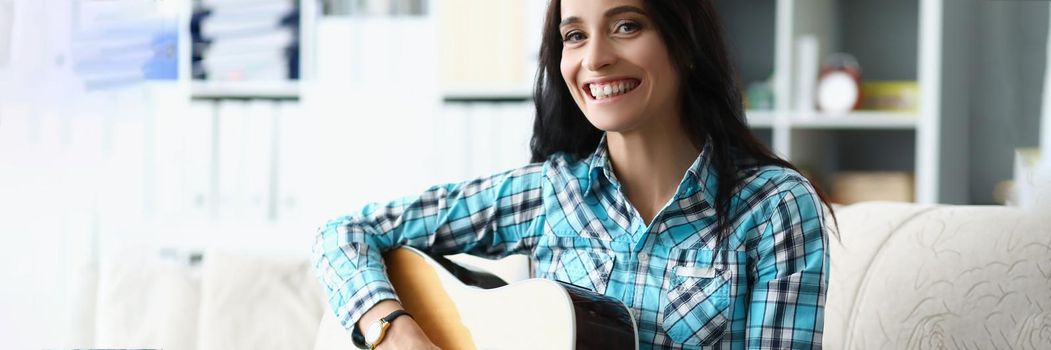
(711, 99)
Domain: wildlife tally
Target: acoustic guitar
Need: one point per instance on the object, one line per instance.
(463, 308)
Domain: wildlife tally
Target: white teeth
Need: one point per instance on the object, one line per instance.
(612, 89)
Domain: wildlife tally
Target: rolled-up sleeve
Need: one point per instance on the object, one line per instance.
(790, 251)
(492, 216)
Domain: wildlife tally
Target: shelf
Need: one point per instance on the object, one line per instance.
(760, 118)
(853, 120)
(874, 120)
(494, 93)
(245, 90)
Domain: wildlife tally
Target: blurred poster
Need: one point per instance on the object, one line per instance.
(115, 43)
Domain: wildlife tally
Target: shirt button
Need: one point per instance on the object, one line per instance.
(643, 257)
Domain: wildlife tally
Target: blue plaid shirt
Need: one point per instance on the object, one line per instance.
(764, 289)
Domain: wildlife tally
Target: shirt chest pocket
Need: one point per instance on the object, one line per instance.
(580, 261)
(696, 300)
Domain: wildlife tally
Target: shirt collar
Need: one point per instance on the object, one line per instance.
(599, 165)
(700, 176)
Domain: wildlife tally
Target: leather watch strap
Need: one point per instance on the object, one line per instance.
(393, 315)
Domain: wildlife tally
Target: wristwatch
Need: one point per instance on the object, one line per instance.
(377, 330)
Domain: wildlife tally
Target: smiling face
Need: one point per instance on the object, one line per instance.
(616, 65)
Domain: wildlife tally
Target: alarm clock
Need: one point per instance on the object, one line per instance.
(839, 84)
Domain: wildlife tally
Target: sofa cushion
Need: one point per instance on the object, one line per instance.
(863, 229)
(258, 302)
(147, 302)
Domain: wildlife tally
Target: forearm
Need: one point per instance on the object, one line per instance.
(350, 268)
(489, 216)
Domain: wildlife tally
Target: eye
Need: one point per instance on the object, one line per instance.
(628, 27)
(573, 36)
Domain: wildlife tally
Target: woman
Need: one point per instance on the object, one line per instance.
(644, 168)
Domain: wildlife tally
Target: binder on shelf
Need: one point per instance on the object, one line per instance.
(245, 40)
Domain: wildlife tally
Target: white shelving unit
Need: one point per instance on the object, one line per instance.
(881, 34)
(244, 130)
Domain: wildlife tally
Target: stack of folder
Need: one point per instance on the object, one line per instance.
(246, 40)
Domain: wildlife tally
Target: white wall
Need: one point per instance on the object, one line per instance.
(86, 176)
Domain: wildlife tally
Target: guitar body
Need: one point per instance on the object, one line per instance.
(460, 308)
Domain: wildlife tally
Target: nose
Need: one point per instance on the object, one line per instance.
(599, 55)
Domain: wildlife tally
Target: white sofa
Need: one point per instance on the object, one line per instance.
(940, 277)
(904, 276)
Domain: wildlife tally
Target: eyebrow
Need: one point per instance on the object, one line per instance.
(609, 13)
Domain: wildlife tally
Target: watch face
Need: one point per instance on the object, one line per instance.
(373, 333)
